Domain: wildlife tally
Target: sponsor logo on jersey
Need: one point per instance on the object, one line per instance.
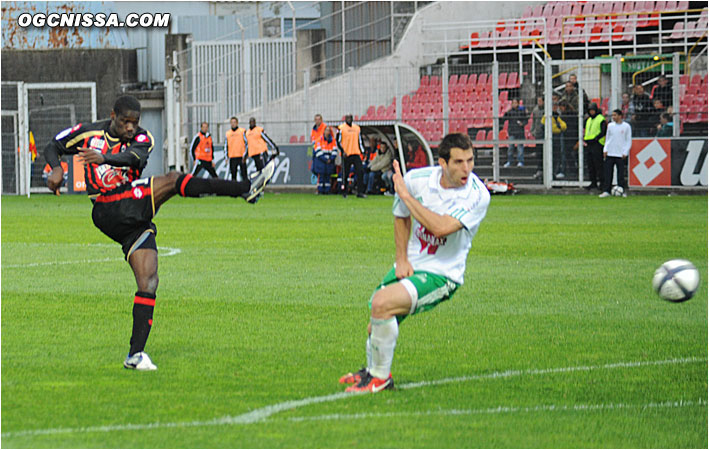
(109, 176)
(429, 242)
(141, 138)
(97, 143)
(137, 193)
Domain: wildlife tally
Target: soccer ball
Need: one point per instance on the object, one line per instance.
(676, 280)
(617, 191)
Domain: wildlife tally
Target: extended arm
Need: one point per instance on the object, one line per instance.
(402, 231)
(52, 155)
(195, 143)
(270, 142)
(439, 224)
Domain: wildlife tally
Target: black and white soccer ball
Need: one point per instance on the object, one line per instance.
(676, 280)
(617, 191)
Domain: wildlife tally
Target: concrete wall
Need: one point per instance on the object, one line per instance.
(110, 69)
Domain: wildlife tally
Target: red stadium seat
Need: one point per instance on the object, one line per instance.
(293, 139)
(502, 81)
(301, 139)
(480, 136)
(424, 80)
(513, 80)
(381, 111)
(504, 136)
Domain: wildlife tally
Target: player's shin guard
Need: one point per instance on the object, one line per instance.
(189, 186)
(382, 343)
(143, 306)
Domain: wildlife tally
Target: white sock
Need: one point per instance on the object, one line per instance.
(382, 344)
(369, 351)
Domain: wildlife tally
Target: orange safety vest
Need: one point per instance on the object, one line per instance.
(203, 152)
(316, 134)
(326, 146)
(256, 143)
(236, 147)
(350, 139)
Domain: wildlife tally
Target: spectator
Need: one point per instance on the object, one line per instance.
(235, 149)
(517, 117)
(615, 152)
(558, 127)
(657, 110)
(627, 107)
(571, 97)
(317, 131)
(415, 158)
(642, 118)
(324, 154)
(202, 150)
(663, 91)
(570, 137)
(537, 131)
(379, 167)
(574, 81)
(666, 126)
(593, 140)
(349, 141)
(258, 144)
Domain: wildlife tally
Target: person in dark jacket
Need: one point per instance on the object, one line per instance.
(663, 91)
(642, 119)
(517, 117)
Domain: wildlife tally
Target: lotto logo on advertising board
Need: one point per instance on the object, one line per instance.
(650, 162)
(668, 162)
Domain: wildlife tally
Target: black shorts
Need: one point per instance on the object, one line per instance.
(125, 215)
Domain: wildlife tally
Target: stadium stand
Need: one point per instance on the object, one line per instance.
(570, 23)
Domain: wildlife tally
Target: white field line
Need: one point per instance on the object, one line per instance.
(503, 410)
(169, 251)
(261, 414)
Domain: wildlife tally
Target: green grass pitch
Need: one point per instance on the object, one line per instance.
(555, 340)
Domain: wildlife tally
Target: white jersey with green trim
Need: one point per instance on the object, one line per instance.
(446, 255)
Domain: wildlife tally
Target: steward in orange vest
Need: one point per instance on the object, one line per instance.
(257, 144)
(324, 155)
(317, 130)
(235, 149)
(349, 140)
(203, 151)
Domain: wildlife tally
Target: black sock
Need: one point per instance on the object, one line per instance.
(143, 306)
(189, 186)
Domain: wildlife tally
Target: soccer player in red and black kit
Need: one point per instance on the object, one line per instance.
(114, 153)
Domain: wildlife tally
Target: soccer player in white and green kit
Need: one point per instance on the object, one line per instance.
(447, 203)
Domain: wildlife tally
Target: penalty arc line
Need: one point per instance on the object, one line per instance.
(169, 252)
(261, 414)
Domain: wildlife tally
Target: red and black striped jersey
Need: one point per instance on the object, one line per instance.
(123, 161)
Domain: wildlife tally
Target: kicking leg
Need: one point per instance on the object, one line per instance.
(165, 186)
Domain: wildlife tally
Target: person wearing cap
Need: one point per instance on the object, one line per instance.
(594, 138)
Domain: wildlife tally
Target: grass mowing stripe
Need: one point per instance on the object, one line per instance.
(502, 410)
(261, 414)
